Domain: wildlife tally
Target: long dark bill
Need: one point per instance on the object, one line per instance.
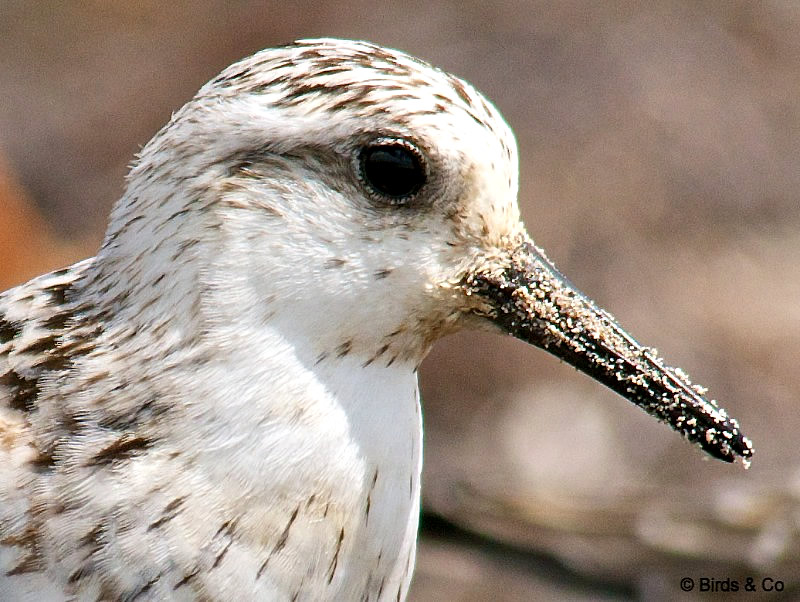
(529, 298)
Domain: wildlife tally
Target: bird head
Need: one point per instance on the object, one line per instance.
(365, 202)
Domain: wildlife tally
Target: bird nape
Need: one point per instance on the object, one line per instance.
(223, 402)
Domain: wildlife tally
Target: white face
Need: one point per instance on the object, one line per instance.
(340, 172)
(374, 196)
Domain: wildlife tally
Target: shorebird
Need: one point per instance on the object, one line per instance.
(222, 403)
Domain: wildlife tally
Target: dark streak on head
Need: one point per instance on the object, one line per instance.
(369, 496)
(58, 293)
(39, 346)
(458, 86)
(383, 349)
(31, 563)
(148, 412)
(29, 540)
(281, 543)
(186, 578)
(335, 561)
(227, 80)
(62, 353)
(133, 594)
(334, 262)
(57, 321)
(345, 348)
(9, 330)
(285, 535)
(23, 391)
(221, 555)
(124, 448)
(170, 511)
(226, 528)
(82, 571)
(43, 462)
(92, 539)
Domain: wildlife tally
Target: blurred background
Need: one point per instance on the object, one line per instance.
(659, 148)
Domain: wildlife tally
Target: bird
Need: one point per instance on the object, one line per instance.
(222, 403)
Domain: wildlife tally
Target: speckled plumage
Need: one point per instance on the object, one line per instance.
(222, 404)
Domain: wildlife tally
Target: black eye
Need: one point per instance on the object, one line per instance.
(393, 168)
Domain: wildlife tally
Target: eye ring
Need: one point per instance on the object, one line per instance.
(393, 170)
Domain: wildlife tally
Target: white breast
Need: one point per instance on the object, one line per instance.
(321, 465)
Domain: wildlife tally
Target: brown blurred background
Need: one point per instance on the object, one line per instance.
(659, 151)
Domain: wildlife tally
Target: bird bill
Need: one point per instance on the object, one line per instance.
(522, 292)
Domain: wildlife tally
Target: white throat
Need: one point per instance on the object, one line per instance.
(334, 438)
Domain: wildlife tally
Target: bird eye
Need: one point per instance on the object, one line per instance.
(392, 168)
